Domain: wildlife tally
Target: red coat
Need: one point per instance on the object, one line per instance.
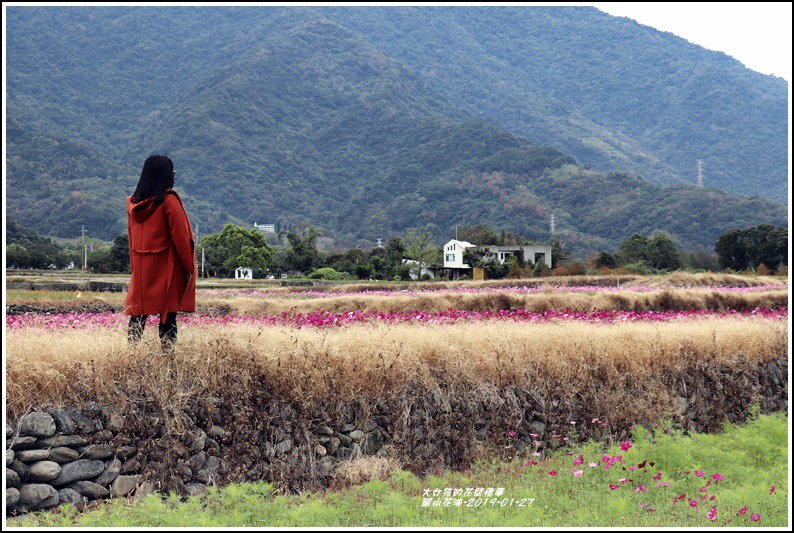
(162, 258)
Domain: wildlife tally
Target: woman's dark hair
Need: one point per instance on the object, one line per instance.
(156, 178)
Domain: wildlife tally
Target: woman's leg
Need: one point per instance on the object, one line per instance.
(135, 329)
(168, 332)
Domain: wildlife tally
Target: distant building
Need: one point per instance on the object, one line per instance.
(265, 228)
(243, 273)
(455, 267)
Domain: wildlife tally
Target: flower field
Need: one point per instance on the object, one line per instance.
(610, 365)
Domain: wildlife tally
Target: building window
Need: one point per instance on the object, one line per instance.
(450, 258)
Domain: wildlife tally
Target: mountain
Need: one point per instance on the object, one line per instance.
(291, 116)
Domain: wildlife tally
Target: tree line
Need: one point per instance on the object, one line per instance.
(295, 253)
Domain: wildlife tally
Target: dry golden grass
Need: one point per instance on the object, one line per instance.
(363, 469)
(70, 367)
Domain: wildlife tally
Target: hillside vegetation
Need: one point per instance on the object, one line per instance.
(367, 122)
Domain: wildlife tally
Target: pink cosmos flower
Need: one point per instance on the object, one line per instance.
(712, 514)
(663, 484)
(580, 460)
(592, 465)
(552, 472)
(772, 490)
(576, 472)
(742, 511)
(717, 477)
(658, 476)
(625, 446)
(536, 454)
(693, 502)
(640, 488)
(612, 486)
(595, 420)
(530, 463)
(756, 517)
(703, 489)
(573, 422)
(511, 433)
(632, 468)
(699, 473)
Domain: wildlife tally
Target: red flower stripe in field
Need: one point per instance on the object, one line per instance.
(330, 319)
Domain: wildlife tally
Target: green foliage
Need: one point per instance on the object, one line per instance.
(235, 247)
(741, 249)
(326, 273)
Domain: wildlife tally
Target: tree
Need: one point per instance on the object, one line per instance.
(633, 250)
(302, 255)
(236, 246)
(740, 249)
(662, 254)
(606, 259)
(422, 249)
(478, 234)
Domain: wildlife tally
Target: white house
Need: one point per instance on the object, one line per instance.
(243, 273)
(453, 255)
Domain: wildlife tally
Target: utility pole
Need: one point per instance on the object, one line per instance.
(700, 174)
(552, 223)
(85, 251)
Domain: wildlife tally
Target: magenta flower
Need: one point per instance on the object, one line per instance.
(640, 488)
(595, 420)
(756, 517)
(742, 511)
(717, 477)
(511, 433)
(703, 489)
(552, 472)
(612, 486)
(772, 490)
(625, 446)
(580, 460)
(576, 472)
(699, 473)
(658, 476)
(693, 502)
(530, 463)
(712, 514)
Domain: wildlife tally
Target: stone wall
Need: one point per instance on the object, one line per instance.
(70, 455)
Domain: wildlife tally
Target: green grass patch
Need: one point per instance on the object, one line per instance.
(656, 479)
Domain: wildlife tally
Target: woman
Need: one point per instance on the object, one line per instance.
(162, 253)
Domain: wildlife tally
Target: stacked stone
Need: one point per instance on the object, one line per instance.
(47, 464)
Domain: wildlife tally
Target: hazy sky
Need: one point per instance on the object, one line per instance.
(756, 34)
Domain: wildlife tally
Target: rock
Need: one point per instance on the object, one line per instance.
(63, 422)
(323, 430)
(62, 454)
(10, 454)
(197, 461)
(96, 451)
(22, 442)
(68, 495)
(195, 489)
(37, 424)
(374, 442)
(29, 456)
(70, 441)
(357, 435)
(112, 469)
(12, 478)
(537, 427)
(196, 440)
(12, 497)
(89, 489)
(145, 488)
(333, 445)
(344, 439)
(34, 496)
(125, 452)
(212, 447)
(78, 470)
(83, 423)
(347, 428)
(319, 450)
(21, 469)
(217, 433)
(283, 446)
(44, 471)
(124, 485)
